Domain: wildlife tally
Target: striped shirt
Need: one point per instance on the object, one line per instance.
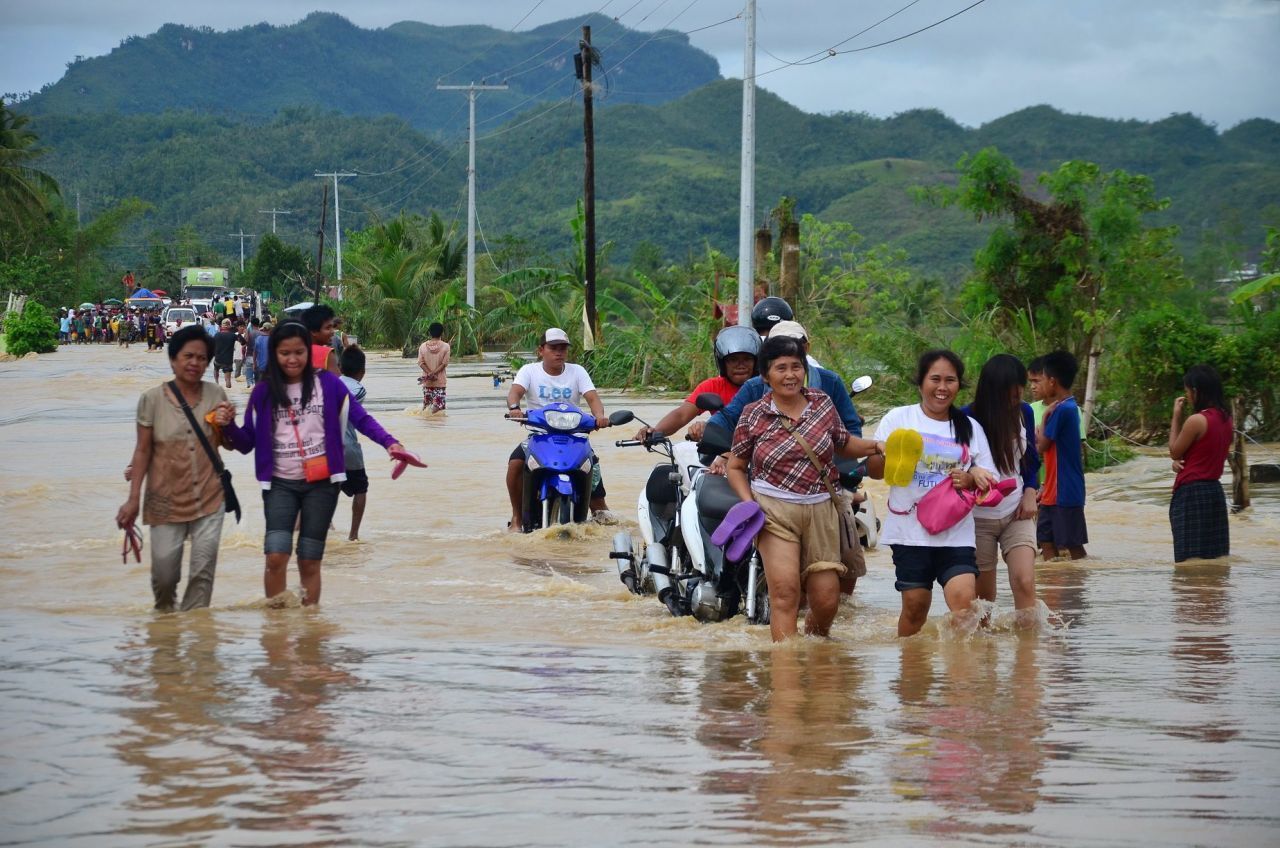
(776, 457)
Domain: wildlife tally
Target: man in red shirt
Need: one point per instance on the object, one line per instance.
(736, 349)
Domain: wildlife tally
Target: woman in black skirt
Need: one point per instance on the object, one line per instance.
(1199, 446)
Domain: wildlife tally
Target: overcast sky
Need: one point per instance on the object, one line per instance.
(1219, 59)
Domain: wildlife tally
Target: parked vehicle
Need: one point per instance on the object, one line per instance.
(176, 317)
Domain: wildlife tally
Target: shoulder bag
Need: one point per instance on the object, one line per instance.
(228, 493)
(850, 543)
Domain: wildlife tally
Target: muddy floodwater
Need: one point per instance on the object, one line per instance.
(459, 686)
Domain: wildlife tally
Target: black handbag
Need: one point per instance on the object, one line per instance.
(228, 493)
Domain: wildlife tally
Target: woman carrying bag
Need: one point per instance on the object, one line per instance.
(950, 449)
(800, 543)
(187, 489)
(294, 424)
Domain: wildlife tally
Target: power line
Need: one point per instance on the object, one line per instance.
(826, 54)
(831, 52)
(527, 14)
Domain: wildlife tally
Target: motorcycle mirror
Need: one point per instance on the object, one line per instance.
(860, 385)
(622, 416)
(709, 402)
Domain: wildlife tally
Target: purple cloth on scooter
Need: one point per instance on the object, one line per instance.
(739, 529)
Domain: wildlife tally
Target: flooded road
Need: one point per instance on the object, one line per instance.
(459, 686)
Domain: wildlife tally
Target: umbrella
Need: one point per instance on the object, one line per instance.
(299, 307)
(160, 292)
(111, 301)
(85, 306)
(141, 293)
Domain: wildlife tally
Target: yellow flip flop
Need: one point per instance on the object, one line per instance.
(902, 451)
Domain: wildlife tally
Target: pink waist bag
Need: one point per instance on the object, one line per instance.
(943, 507)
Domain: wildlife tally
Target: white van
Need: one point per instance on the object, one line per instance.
(177, 317)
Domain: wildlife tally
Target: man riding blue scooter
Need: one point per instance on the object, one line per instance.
(552, 380)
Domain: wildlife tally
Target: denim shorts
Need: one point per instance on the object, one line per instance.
(284, 502)
(918, 566)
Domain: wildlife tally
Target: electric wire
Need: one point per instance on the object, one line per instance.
(413, 157)
(831, 52)
(825, 54)
(527, 14)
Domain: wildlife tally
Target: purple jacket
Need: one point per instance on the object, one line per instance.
(256, 432)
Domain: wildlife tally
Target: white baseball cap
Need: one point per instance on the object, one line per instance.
(555, 335)
(788, 328)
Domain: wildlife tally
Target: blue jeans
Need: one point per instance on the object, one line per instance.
(282, 504)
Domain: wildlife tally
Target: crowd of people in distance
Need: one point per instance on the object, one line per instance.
(1018, 465)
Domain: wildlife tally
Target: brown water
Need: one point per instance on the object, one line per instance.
(459, 686)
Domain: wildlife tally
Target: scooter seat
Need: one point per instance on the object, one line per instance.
(715, 498)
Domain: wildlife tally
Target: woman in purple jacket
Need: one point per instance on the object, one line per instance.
(294, 424)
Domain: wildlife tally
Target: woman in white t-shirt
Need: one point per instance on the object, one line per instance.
(919, 557)
(1009, 527)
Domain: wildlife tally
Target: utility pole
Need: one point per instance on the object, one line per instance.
(471, 180)
(324, 206)
(584, 62)
(242, 235)
(747, 211)
(273, 212)
(337, 222)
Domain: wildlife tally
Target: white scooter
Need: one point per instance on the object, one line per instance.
(679, 509)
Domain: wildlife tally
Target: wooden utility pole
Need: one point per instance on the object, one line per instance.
(324, 205)
(589, 186)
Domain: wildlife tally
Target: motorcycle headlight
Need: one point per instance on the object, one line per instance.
(563, 420)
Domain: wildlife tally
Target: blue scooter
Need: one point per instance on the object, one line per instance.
(559, 465)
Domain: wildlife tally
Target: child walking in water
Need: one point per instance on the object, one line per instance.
(293, 424)
(1199, 446)
(356, 486)
(1061, 524)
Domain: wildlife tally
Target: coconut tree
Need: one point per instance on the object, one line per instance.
(25, 192)
(399, 272)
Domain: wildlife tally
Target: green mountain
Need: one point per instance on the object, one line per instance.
(666, 173)
(325, 61)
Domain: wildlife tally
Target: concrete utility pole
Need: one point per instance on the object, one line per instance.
(747, 211)
(337, 223)
(242, 235)
(471, 180)
(589, 187)
(273, 212)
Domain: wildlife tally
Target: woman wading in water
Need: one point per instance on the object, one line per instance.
(294, 424)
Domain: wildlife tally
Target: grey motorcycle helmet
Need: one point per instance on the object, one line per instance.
(733, 340)
(768, 312)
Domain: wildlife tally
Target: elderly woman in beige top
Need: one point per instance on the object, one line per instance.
(183, 491)
(433, 359)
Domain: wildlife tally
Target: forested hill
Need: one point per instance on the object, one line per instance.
(666, 174)
(327, 62)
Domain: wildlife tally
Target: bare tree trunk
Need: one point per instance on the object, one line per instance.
(1238, 461)
(789, 263)
(647, 370)
(1091, 381)
(764, 244)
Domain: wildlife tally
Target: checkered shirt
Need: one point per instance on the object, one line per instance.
(774, 454)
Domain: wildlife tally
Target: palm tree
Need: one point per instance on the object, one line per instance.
(401, 272)
(25, 192)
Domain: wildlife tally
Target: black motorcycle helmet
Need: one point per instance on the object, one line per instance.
(733, 340)
(768, 312)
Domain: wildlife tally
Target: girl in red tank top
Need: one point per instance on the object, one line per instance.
(1199, 447)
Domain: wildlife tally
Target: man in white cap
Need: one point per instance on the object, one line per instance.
(552, 380)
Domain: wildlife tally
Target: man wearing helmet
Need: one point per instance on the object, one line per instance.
(819, 378)
(768, 312)
(736, 349)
